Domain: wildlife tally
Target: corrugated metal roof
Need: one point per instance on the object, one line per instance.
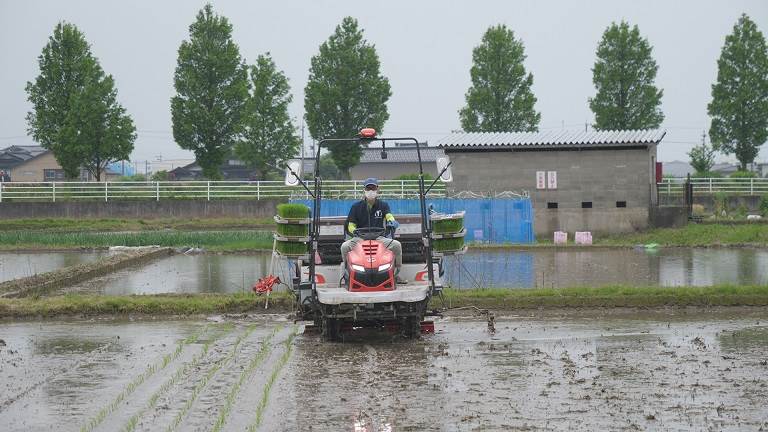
(408, 154)
(560, 138)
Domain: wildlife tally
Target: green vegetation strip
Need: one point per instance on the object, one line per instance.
(139, 380)
(214, 240)
(181, 372)
(695, 235)
(609, 296)
(499, 298)
(268, 386)
(165, 304)
(204, 382)
(233, 392)
(111, 224)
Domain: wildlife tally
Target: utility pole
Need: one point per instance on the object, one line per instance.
(703, 137)
(303, 145)
(586, 125)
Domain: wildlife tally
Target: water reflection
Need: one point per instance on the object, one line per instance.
(595, 267)
(14, 265)
(549, 268)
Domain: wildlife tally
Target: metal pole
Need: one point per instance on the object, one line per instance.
(751, 186)
(106, 191)
(54, 191)
(258, 191)
(1, 191)
(157, 191)
(208, 191)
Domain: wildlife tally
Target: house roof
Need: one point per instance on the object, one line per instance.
(550, 139)
(16, 154)
(401, 155)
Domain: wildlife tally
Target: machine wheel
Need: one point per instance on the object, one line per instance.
(331, 329)
(410, 327)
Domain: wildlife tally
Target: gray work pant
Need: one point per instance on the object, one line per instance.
(391, 244)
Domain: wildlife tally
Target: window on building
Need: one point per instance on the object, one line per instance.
(551, 205)
(586, 204)
(621, 204)
(53, 174)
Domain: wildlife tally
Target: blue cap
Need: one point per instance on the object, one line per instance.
(371, 181)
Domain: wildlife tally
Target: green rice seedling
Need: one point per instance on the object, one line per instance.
(293, 230)
(272, 378)
(204, 382)
(448, 245)
(292, 248)
(292, 211)
(181, 372)
(139, 380)
(255, 361)
(447, 226)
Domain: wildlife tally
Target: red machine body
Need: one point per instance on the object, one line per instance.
(371, 267)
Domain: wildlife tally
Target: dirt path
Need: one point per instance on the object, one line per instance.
(576, 372)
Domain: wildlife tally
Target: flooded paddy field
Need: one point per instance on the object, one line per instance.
(676, 370)
(483, 268)
(15, 265)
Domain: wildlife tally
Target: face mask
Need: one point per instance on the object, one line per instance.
(370, 194)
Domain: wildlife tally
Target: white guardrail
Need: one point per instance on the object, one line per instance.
(745, 186)
(202, 190)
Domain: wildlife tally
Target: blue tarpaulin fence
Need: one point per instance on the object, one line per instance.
(491, 220)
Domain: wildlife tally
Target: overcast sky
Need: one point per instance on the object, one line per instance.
(425, 49)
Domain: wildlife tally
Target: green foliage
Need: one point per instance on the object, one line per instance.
(702, 158)
(414, 176)
(292, 211)
(293, 230)
(211, 83)
(328, 168)
(269, 137)
(161, 175)
(743, 175)
(291, 248)
(764, 205)
(696, 235)
(133, 178)
(447, 225)
(721, 203)
(739, 106)
(624, 75)
(500, 98)
(75, 113)
(448, 245)
(707, 174)
(229, 240)
(345, 92)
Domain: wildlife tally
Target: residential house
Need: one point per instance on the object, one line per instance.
(33, 163)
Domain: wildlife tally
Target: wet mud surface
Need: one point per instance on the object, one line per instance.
(700, 370)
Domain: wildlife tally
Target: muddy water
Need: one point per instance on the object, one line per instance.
(483, 268)
(602, 266)
(14, 265)
(626, 371)
(186, 274)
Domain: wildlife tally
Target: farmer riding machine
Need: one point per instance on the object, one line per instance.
(366, 293)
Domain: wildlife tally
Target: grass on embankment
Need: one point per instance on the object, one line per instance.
(695, 235)
(212, 240)
(74, 225)
(498, 299)
(609, 296)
